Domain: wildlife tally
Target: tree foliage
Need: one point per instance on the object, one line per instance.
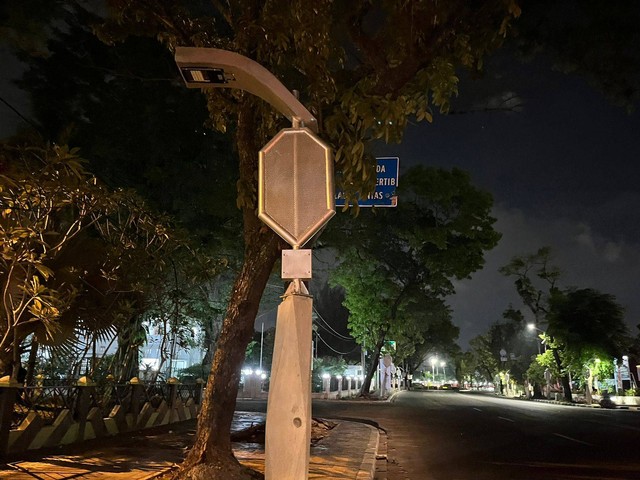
(535, 280)
(397, 277)
(482, 359)
(506, 347)
(593, 38)
(75, 255)
(363, 69)
(580, 325)
(143, 130)
(587, 324)
(140, 128)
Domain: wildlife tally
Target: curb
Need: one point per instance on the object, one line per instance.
(584, 405)
(368, 466)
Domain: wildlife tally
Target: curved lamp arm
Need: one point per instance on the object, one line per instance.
(215, 68)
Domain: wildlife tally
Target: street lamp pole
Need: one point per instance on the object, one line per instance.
(433, 369)
(298, 163)
(532, 327)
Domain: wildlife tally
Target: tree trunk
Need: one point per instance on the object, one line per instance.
(211, 457)
(127, 363)
(211, 331)
(566, 386)
(209, 344)
(366, 384)
(31, 363)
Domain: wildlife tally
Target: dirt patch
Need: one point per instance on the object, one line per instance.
(320, 428)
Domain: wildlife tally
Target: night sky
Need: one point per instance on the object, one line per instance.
(564, 170)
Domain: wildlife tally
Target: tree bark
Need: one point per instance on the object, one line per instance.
(366, 384)
(566, 386)
(31, 363)
(212, 456)
(127, 356)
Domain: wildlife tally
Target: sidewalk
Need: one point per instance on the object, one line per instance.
(347, 452)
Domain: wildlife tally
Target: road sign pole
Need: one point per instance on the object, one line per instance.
(288, 429)
(296, 199)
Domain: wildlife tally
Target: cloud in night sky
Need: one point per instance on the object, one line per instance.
(564, 171)
(585, 258)
(507, 100)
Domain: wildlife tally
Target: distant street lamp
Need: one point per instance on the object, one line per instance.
(443, 364)
(433, 368)
(532, 327)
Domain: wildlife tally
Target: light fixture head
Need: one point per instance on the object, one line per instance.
(198, 76)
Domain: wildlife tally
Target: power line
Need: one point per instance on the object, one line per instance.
(267, 312)
(333, 349)
(329, 327)
(339, 337)
(17, 112)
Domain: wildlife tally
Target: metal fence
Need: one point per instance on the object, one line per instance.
(49, 401)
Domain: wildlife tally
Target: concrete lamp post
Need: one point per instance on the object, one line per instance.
(296, 198)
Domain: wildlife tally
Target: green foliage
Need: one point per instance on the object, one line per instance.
(587, 324)
(535, 280)
(482, 359)
(546, 360)
(252, 357)
(509, 335)
(332, 365)
(367, 299)
(535, 372)
(397, 276)
(76, 257)
(432, 333)
(363, 68)
(585, 331)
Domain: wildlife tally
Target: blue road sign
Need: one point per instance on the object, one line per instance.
(387, 169)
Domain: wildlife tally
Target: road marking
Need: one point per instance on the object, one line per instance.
(507, 419)
(573, 439)
(479, 410)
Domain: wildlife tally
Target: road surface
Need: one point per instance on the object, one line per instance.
(451, 435)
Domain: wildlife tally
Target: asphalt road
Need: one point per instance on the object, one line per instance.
(463, 436)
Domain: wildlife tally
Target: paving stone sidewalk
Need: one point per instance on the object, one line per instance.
(348, 452)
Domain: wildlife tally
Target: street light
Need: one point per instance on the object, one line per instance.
(444, 371)
(215, 68)
(532, 326)
(295, 168)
